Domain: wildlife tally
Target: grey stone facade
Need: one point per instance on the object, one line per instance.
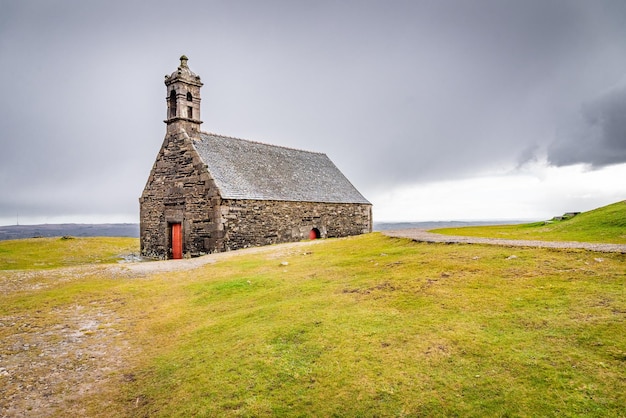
(254, 222)
(227, 193)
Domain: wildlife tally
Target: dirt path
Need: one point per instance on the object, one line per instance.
(143, 268)
(422, 235)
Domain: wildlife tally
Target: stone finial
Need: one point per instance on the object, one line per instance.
(183, 73)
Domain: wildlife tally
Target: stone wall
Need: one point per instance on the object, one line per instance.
(253, 223)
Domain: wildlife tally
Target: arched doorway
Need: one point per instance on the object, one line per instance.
(314, 234)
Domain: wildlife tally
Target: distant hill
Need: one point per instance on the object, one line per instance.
(75, 230)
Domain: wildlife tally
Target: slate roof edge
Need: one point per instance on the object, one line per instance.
(260, 199)
(349, 182)
(260, 143)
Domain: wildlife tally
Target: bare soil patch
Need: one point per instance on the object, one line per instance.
(47, 371)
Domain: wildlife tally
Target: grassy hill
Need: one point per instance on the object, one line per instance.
(364, 326)
(606, 224)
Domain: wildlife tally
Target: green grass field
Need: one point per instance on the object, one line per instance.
(606, 224)
(379, 327)
(363, 326)
(45, 253)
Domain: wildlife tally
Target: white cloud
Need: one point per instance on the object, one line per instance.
(534, 192)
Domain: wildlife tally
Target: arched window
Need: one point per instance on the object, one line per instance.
(189, 97)
(172, 104)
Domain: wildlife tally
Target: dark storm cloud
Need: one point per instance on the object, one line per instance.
(395, 92)
(597, 137)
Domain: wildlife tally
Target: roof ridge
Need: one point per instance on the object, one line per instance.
(262, 143)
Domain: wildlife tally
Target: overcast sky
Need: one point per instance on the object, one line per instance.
(435, 110)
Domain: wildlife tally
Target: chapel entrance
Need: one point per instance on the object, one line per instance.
(176, 240)
(314, 233)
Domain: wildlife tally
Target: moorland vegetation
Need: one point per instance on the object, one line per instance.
(361, 326)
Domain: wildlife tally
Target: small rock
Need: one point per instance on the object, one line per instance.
(511, 257)
(598, 260)
(284, 263)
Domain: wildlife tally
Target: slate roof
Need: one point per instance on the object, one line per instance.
(256, 171)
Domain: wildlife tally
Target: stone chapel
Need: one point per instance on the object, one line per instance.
(211, 193)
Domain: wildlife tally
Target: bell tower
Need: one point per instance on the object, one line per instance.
(183, 100)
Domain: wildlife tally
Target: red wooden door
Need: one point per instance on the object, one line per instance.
(177, 241)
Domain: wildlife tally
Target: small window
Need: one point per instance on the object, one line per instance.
(190, 112)
(189, 97)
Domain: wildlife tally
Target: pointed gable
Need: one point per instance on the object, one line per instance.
(255, 171)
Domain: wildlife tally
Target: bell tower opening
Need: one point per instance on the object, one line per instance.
(172, 104)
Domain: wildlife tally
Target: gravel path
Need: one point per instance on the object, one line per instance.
(422, 235)
(276, 250)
